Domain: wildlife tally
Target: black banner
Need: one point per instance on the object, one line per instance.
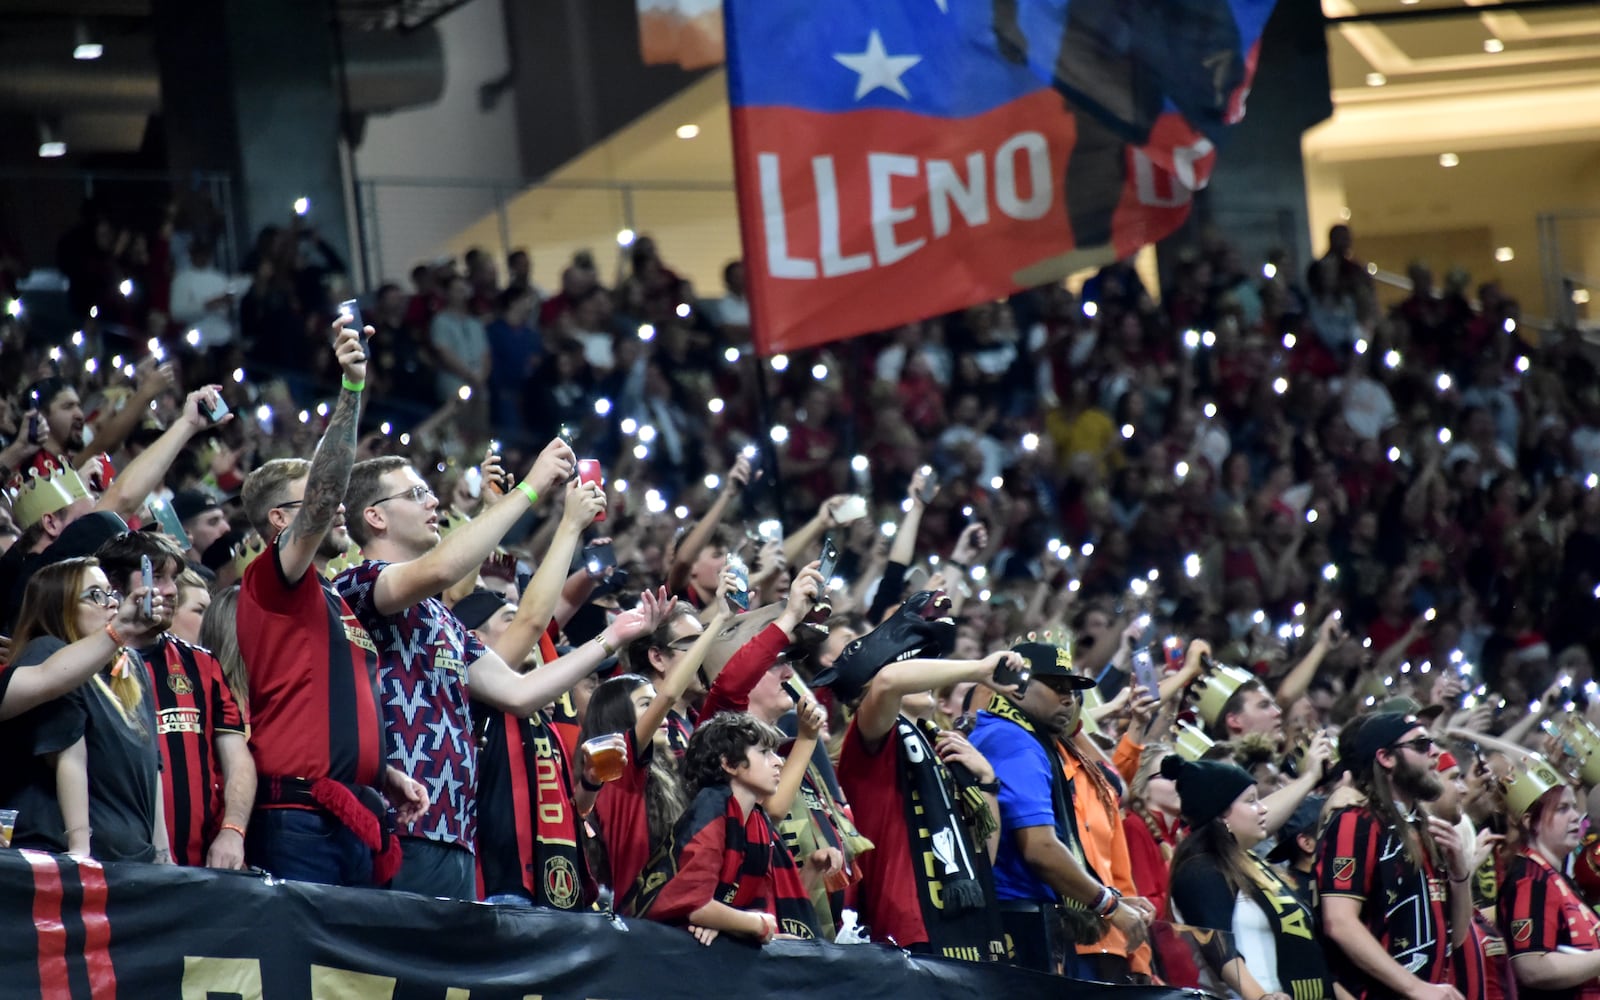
(71, 929)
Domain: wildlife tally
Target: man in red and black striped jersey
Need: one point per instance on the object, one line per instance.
(208, 777)
(317, 730)
(1554, 938)
(1385, 871)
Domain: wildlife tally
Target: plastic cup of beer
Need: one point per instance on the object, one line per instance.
(608, 755)
(8, 823)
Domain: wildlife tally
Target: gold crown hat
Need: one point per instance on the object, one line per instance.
(41, 495)
(1192, 742)
(246, 552)
(1217, 685)
(338, 564)
(1580, 746)
(1531, 777)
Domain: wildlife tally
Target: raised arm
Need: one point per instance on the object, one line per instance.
(677, 681)
(144, 474)
(70, 667)
(497, 685)
(401, 585)
(810, 717)
(881, 705)
(584, 501)
(112, 432)
(330, 466)
(797, 546)
(684, 555)
(1294, 684)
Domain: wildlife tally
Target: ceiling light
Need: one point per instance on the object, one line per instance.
(1448, 159)
(688, 131)
(1504, 254)
(1580, 296)
(52, 149)
(1494, 45)
(1376, 79)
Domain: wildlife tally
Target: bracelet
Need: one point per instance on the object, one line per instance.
(583, 779)
(992, 787)
(1465, 878)
(356, 387)
(236, 829)
(111, 630)
(610, 649)
(529, 492)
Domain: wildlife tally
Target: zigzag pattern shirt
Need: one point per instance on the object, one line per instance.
(423, 653)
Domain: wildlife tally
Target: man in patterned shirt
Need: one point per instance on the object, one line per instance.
(427, 658)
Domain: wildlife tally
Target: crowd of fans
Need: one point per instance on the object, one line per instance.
(1048, 632)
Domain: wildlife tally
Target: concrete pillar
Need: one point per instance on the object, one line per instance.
(251, 88)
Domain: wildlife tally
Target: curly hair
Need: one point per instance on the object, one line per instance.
(724, 740)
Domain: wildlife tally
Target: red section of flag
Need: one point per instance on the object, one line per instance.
(47, 925)
(97, 931)
(866, 220)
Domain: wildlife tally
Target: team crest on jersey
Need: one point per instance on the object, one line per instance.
(1522, 931)
(560, 883)
(179, 683)
(1343, 869)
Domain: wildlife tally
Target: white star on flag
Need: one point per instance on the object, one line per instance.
(877, 68)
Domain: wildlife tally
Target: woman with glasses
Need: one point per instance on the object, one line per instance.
(1265, 948)
(87, 778)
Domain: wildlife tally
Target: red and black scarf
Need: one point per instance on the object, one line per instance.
(948, 822)
(755, 871)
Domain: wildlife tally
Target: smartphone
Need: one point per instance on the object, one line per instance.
(350, 309)
(589, 472)
(35, 429)
(930, 484)
(770, 531)
(148, 575)
(1145, 674)
(796, 689)
(599, 557)
(1017, 677)
(565, 434)
(168, 519)
(215, 410)
(853, 508)
(474, 479)
(740, 597)
(829, 563)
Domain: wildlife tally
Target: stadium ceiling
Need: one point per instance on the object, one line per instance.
(404, 15)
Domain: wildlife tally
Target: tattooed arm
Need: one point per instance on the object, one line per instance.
(330, 467)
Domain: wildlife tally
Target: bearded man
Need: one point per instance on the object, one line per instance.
(1393, 881)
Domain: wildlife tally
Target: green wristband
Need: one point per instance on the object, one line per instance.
(531, 493)
(344, 380)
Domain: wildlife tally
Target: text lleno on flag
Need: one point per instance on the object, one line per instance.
(893, 165)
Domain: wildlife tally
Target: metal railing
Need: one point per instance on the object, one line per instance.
(410, 220)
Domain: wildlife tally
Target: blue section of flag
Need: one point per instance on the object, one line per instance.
(784, 50)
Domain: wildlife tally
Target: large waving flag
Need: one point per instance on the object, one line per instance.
(897, 159)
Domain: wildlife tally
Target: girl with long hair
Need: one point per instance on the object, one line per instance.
(219, 633)
(1154, 827)
(90, 781)
(1266, 948)
(1553, 937)
(638, 810)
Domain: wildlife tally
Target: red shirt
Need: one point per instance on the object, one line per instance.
(887, 896)
(313, 678)
(624, 820)
(1540, 912)
(193, 706)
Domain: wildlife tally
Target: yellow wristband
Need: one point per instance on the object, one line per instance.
(528, 491)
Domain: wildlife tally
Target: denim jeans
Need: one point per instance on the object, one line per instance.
(307, 846)
(433, 869)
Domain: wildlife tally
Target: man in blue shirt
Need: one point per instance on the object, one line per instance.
(1049, 895)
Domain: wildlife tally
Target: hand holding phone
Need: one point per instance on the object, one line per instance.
(147, 574)
(598, 557)
(1145, 674)
(829, 563)
(589, 471)
(1012, 671)
(350, 309)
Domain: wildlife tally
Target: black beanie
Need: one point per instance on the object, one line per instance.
(1207, 788)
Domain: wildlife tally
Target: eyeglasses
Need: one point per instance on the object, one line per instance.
(101, 597)
(416, 494)
(1422, 745)
(286, 506)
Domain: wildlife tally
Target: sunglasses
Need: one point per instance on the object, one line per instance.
(1060, 685)
(1422, 745)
